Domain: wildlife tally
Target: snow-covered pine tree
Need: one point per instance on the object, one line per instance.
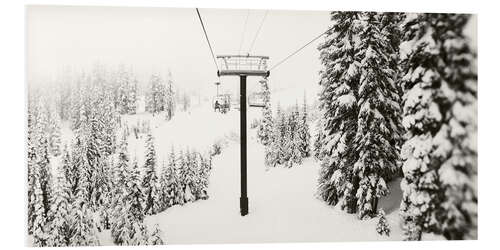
(156, 95)
(189, 178)
(109, 118)
(293, 137)
(265, 130)
(382, 225)
(205, 165)
(156, 236)
(59, 228)
(338, 106)
(76, 164)
(83, 228)
(42, 166)
(123, 233)
(102, 187)
(303, 132)
(318, 139)
(139, 235)
(76, 99)
(169, 182)
(170, 98)
(149, 177)
(276, 153)
(439, 109)
(156, 193)
(91, 132)
(121, 172)
(135, 196)
(31, 162)
(132, 95)
(181, 171)
(124, 82)
(39, 216)
(378, 119)
(55, 136)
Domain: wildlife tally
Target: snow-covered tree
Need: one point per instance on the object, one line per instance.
(265, 130)
(39, 228)
(170, 182)
(149, 180)
(55, 135)
(382, 225)
(170, 99)
(31, 164)
(135, 194)
(155, 97)
(359, 102)
(303, 132)
(378, 129)
(338, 105)
(156, 236)
(59, 228)
(83, 227)
(439, 108)
(292, 137)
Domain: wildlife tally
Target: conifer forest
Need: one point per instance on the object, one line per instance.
(378, 141)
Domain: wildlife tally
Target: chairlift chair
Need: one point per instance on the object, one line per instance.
(256, 99)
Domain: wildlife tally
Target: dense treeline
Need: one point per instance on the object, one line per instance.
(79, 189)
(286, 137)
(399, 99)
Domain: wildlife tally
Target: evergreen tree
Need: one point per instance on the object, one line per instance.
(39, 216)
(382, 225)
(440, 152)
(170, 183)
(155, 102)
(170, 99)
(31, 162)
(360, 106)
(303, 132)
(135, 194)
(59, 228)
(55, 139)
(42, 168)
(149, 178)
(156, 236)
(293, 137)
(378, 118)
(83, 229)
(338, 105)
(265, 130)
(181, 174)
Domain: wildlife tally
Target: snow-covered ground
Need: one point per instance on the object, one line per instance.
(282, 202)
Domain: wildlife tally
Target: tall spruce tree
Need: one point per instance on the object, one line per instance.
(149, 178)
(265, 130)
(39, 228)
(303, 131)
(338, 105)
(59, 228)
(378, 119)
(439, 107)
(359, 101)
(31, 164)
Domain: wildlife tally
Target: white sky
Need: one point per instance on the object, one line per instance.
(158, 39)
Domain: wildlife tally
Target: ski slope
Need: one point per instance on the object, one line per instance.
(282, 202)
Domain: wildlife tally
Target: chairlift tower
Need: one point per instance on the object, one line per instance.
(243, 66)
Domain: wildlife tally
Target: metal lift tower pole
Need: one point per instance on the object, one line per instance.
(243, 145)
(243, 66)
